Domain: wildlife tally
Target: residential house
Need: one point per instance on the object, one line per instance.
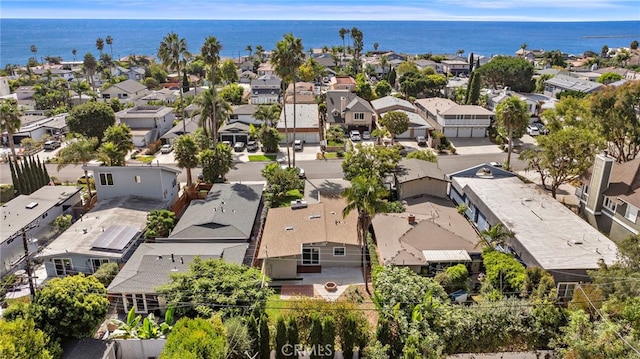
(564, 82)
(546, 233)
(32, 216)
(453, 84)
(306, 238)
(266, 69)
(244, 114)
(345, 108)
(424, 63)
(304, 93)
(135, 73)
(147, 123)
(414, 177)
(37, 128)
(455, 120)
(265, 90)
(427, 238)
(125, 91)
(188, 125)
(235, 132)
(307, 123)
(25, 93)
(108, 233)
(164, 96)
(418, 126)
(536, 103)
(55, 72)
(610, 196)
(152, 265)
(228, 214)
(455, 67)
(156, 182)
(342, 83)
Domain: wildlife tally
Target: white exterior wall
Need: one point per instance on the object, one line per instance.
(150, 182)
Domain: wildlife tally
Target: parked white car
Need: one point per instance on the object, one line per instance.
(533, 130)
(354, 135)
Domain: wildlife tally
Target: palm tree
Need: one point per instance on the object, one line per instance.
(268, 114)
(366, 196)
(495, 236)
(172, 52)
(109, 41)
(74, 52)
(512, 115)
(10, 120)
(286, 59)
(249, 50)
(260, 53)
(81, 87)
(186, 153)
(34, 50)
(90, 66)
(343, 32)
(207, 102)
(80, 150)
(211, 54)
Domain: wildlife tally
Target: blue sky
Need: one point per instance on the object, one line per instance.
(457, 10)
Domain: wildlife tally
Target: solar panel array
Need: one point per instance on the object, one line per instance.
(115, 238)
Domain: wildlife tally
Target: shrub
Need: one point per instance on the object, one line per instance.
(6, 193)
(395, 207)
(153, 147)
(462, 208)
(62, 222)
(106, 273)
(340, 153)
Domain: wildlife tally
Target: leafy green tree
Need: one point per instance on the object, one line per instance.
(10, 121)
(109, 154)
(62, 222)
(230, 289)
(424, 155)
(504, 71)
(512, 116)
(370, 162)
(363, 88)
(197, 338)
(609, 77)
(91, 119)
(282, 183)
(160, 223)
(70, 307)
(383, 88)
(186, 154)
(21, 339)
(216, 163)
(329, 336)
(229, 71)
(503, 272)
(79, 150)
(614, 111)
(395, 122)
(90, 64)
(453, 278)
(568, 111)
(281, 338)
(120, 135)
(286, 58)
(232, 94)
(473, 91)
(265, 340)
(495, 236)
(627, 266)
(238, 338)
(406, 67)
(106, 273)
(563, 156)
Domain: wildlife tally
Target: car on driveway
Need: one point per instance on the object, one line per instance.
(297, 145)
(532, 130)
(542, 129)
(252, 146)
(366, 135)
(166, 148)
(421, 140)
(354, 135)
(52, 145)
(239, 146)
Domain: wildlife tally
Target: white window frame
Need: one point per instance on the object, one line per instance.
(609, 204)
(98, 260)
(344, 251)
(106, 179)
(137, 179)
(631, 213)
(65, 263)
(310, 261)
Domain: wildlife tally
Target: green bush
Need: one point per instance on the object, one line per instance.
(153, 147)
(6, 193)
(395, 207)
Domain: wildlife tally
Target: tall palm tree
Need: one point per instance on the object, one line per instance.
(512, 115)
(34, 50)
(260, 53)
(100, 45)
(211, 55)
(172, 52)
(10, 120)
(90, 66)
(109, 41)
(286, 59)
(186, 154)
(495, 236)
(249, 50)
(268, 114)
(81, 150)
(207, 103)
(342, 33)
(366, 196)
(74, 52)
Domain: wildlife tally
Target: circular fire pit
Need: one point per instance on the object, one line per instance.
(331, 286)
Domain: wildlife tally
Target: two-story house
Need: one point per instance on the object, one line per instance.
(125, 91)
(135, 73)
(147, 123)
(307, 123)
(455, 67)
(565, 82)
(265, 90)
(455, 120)
(610, 196)
(418, 126)
(342, 83)
(345, 108)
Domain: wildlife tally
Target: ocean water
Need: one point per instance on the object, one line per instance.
(58, 37)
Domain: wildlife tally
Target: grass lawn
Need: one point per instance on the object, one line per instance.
(274, 306)
(262, 158)
(145, 159)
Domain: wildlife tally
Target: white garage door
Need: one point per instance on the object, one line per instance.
(451, 132)
(464, 132)
(478, 132)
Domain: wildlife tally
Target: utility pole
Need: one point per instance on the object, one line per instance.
(32, 289)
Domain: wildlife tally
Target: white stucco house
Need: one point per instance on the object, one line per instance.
(147, 123)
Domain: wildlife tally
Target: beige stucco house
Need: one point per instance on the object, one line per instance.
(306, 238)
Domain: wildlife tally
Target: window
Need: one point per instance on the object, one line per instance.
(358, 116)
(106, 179)
(339, 251)
(631, 213)
(62, 265)
(609, 204)
(310, 256)
(97, 262)
(137, 179)
(136, 301)
(565, 290)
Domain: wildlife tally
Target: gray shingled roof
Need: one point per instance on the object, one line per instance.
(566, 82)
(151, 264)
(228, 213)
(413, 169)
